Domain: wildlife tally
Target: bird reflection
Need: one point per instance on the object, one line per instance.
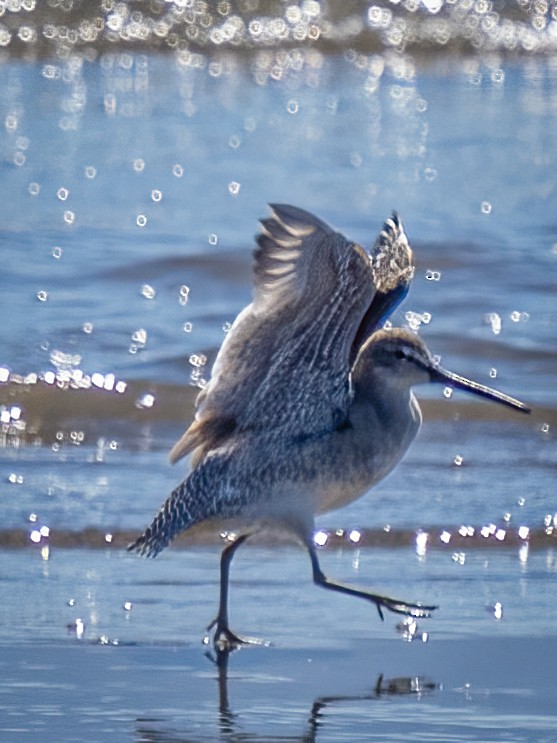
(230, 724)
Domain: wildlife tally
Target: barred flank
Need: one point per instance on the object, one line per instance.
(173, 517)
(199, 497)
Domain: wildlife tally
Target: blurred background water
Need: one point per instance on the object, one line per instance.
(140, 142)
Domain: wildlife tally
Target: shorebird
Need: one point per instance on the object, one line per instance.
(310, 400)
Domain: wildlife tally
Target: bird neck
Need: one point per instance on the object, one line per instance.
(381, 405)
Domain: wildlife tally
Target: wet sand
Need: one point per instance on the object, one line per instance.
(448, 690)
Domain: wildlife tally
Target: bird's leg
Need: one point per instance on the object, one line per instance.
(381, 602)
(224, 639)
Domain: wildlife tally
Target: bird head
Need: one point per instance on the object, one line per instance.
(401, 359)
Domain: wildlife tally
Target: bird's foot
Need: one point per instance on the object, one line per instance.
(225, 641)
(417, 611)
(383, 603)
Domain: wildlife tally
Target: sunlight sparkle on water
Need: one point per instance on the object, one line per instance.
(486, 207)
(77, 627)
(7, 415)
(101, 381)
(97, 379)
(497, 610)
(197, 361)
(234, 141)
(64, 360)
(410, 631)
(147, 291)
(355, 536)
(109, 381)
(147, 400)
(184, 294)
(494, 320)
(320, 538)
(139, 337)
(292, 106)
(415, 319)
(11, 122)
(421, 543)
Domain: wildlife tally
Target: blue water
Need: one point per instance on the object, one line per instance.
(464, 153)
(435, 146)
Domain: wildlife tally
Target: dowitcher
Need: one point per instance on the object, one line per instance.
(310, 400)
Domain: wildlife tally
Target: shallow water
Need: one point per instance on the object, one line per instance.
(333, 671)
(179, 699)
(469, 162)
(132, 181)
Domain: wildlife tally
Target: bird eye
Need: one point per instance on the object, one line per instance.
(400, 354)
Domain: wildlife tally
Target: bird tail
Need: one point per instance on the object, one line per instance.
(174, 516)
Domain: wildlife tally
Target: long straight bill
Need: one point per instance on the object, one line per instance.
(455, 380)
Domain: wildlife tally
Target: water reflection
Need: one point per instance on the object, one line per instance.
(232, 726)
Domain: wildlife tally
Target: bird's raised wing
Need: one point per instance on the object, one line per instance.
(392, 268)
(285, 362)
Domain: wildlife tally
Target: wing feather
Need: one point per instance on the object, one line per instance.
(392, 266)
(286, 360)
